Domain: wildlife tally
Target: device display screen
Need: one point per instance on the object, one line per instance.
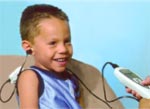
(131, 75)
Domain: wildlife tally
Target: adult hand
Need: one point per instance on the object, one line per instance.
(145, 82)
(144, 103)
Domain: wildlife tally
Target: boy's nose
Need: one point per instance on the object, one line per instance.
(62, 48)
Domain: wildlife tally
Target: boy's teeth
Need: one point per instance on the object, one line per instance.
(60, 60)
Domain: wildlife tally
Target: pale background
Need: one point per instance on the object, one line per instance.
(102, 30)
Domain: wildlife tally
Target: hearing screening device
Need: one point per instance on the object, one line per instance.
(133, 81)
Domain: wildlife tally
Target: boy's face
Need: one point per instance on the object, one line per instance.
(52, 46)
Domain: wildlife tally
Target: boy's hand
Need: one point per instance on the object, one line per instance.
(145, 82)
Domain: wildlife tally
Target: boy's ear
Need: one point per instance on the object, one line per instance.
(27, 46)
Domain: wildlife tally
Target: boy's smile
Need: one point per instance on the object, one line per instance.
(61, 61)
(52, 47)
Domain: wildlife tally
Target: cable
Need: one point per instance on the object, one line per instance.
(8, 81)
(89, 89)
(106, 101)
(103, 82)
(2, 100)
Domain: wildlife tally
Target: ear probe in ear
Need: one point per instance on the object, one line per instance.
(29, 51)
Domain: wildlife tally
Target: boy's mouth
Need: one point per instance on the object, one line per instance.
(61, 61)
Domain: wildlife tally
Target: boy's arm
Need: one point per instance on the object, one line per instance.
(28, 90)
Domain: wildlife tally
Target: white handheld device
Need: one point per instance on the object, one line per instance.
(132, 81)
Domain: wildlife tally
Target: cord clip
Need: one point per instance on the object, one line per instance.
(14, 75)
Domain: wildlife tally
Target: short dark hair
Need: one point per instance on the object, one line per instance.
(33, 14)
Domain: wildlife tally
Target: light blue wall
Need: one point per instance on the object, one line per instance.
(102, 31)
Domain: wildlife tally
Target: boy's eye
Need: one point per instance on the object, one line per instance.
(68, 41)
(52, 43)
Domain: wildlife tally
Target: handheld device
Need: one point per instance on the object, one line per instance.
(133, 81)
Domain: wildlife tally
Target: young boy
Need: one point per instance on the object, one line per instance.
(46, 36)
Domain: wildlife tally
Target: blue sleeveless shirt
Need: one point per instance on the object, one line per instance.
(57, 92)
